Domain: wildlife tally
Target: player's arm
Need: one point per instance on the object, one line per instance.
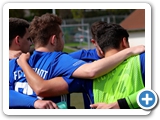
(22, 100)
(47, 88)
(44, 88)
(129, 102)
(105, 65)
(99, 67)
(18, 100)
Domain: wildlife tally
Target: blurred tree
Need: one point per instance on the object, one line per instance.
(37, 12)
(77, 13)
(28, 14)
(104, 12)
(16, 13)
(64, 13)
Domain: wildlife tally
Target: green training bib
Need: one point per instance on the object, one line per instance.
(124, 80)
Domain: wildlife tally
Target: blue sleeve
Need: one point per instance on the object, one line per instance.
(88, 96)
(22, 101)
(66, 65)
(12, 65)
(86, 55)
(75, 84)
(142, 61)
(81, 86)
(86, 101)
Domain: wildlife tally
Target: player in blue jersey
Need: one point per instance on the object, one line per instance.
(48, 64)
(85, 55)
(20, 42)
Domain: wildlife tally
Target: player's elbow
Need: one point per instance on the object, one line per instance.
(86, 72)
(39, 90)
(91, 73)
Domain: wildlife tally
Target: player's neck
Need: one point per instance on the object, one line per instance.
(14, 47)
(47, 48)
(111, 52)
(44, 49)
(14, 54)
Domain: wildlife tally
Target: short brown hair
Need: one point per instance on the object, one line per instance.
(43, 27)
(94, 28)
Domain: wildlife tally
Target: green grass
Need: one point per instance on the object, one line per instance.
(75, 44)
(77, 100)
(67, 50)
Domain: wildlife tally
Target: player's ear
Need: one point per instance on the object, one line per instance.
(93, 42)
(125, 43)
(17, 41)
(99, 50)
(53, 39)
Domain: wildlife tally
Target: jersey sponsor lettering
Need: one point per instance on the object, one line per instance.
(18, 74)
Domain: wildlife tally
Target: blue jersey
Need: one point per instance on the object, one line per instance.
(46, 64)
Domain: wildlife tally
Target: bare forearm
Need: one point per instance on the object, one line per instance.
(53, 87)
(107, 64)
(44, 88)
(103, 66)
(33, 79)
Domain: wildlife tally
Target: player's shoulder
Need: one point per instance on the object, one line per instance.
(12, 61)
(59, 56)
(143, 53)
(142, 57)
(55, 54)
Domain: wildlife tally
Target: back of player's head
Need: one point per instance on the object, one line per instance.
(110, 36)
(95, 26)
(18, 27)
(43, 27)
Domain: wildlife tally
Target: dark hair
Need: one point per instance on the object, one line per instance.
(95, 26)
(17, 26)
(43, 27)
(110, 36)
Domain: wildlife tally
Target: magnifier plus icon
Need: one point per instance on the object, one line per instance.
(147, 99)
